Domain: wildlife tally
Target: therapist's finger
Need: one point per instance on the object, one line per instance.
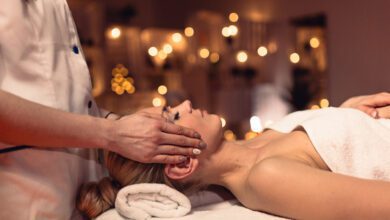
(380, 99)
(373, 113)
(384, 112)
(176, 150)
(168, 159)
(182, 141)
(179, 130)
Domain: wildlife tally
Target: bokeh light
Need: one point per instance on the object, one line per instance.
(233, 30)
(118, 78)
(115, 33)
(314, 42)
(167, 48)
(214, 57)
(242, 56)
(250, 135)
(189, 31)
(131, 89)
(255, 124)
(119, 90)
(315, 107)
(114, 85)
(162, 55)
(294, 58)
(126, 85)
(233, 17)
(223, 122)
(324, 103)
(229, 135)
(162, 90)
(157, 102)
(262, 51)
(177, 37)
(204, 53)
(153, 51)
(226, 32)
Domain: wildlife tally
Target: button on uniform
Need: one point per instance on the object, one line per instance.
(75, 49)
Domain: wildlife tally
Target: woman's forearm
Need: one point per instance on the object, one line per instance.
(27, 123)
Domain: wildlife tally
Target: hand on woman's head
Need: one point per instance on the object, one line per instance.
(147, 137)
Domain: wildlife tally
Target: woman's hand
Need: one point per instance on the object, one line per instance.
(384, 112)
(147, 137)
(373, 105)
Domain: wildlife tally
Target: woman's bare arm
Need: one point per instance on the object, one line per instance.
(292, 189)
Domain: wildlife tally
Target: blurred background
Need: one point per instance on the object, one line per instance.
(249, 61)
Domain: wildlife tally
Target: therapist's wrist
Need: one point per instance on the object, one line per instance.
(104, 133)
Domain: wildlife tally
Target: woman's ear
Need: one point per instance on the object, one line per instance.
(181, 170)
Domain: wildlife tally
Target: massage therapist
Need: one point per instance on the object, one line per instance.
(50, 126)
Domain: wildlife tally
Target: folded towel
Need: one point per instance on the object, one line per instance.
(146, 200)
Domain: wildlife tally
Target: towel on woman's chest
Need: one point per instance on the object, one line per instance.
(348, 140)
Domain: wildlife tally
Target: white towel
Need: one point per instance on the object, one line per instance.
(348, 140)
(146, 200)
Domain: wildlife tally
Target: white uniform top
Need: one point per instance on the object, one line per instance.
(41, 60)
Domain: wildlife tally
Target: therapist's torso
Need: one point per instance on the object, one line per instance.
(41, 60)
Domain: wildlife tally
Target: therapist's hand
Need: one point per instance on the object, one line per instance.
(147, 137)
(373, 105)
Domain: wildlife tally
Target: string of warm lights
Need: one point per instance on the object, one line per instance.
(120, 82)
(229, 31)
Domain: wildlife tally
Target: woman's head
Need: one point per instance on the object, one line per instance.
(208, 125)
(95, 198)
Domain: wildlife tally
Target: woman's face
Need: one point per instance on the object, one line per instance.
(207, 125)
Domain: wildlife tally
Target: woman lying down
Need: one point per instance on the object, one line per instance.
(330, 163)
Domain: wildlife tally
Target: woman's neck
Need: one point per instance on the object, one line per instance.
(230, 165)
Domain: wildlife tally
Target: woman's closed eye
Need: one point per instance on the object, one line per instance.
(170, 116)
(176, 116)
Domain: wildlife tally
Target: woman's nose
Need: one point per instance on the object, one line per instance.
(187, 105)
